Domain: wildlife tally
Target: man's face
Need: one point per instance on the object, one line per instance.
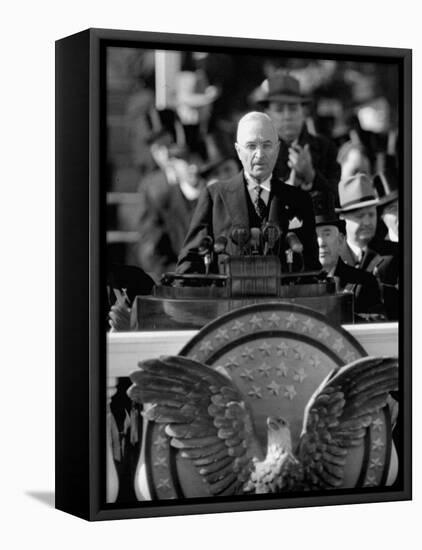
(288, 119)
(188, 170)
(361, 225)
(330, 241)
(390, 216)
(257, 148)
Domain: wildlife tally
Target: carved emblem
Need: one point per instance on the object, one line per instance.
(268, 361)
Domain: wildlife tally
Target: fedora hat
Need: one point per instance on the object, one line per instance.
(356, 192)
(386, 189)
(324, 210)
(282, 87)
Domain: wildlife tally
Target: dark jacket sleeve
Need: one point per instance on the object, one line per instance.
(200, 226)
(327, 170)
(368, 296)
(154, 249)
(307, 234)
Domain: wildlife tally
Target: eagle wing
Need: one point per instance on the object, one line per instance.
(338, 414)
(205, 418)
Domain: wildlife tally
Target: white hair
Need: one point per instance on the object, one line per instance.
(250, 117)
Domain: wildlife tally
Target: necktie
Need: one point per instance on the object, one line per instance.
(259, 204)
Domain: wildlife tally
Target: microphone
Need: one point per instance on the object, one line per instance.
(240, 236)
(271, 234)
(205, 249)
(277, 214)
(205, 245)
(256, 240)
(220, 249)
(293, 242)
(220, 244)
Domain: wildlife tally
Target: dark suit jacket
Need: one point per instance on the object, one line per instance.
(324, 160)
(164, 220)
(382, 260)
(389, 270)
(363, 285)
(224, 204)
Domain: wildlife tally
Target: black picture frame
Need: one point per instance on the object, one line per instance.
(80, 274)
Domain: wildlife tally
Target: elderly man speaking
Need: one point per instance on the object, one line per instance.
(250, 199)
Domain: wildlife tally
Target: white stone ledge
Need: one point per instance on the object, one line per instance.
(125, 349)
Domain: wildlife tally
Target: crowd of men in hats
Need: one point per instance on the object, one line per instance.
(291, 173)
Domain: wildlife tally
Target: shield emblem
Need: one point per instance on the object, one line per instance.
(277, 354)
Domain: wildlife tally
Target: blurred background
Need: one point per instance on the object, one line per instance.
(171, 122)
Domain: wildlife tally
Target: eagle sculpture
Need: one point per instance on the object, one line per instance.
(207, 419)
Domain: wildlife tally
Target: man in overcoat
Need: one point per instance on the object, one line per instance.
(358, 208)
(304, 160)
(251, 199)
(331, 237)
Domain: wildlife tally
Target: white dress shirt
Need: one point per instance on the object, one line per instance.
(265, 186)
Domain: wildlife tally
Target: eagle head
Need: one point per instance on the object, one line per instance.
(279, 437)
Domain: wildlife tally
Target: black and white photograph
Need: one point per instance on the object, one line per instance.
(254, 275)
(210, 310)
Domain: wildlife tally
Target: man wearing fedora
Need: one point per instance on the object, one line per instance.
(304, 160)
(358, 208)
(331, 237)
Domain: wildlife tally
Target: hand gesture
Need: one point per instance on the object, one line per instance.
(300, 161)
(119, 314)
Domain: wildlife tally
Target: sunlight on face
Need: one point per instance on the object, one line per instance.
(288, 119)
(329, 241)
(390, 216)
(257, 146)
(361, 225)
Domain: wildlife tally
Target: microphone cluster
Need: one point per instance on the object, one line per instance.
(256, 241)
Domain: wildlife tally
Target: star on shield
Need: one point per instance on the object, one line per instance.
(375, 464)
(256, 322)
(238, 326)
(247, 353)
(274, 319)
(274, 388)
(265, 348)
(300, 375)
(297, 353)
(255, 391)
(377, 424)
(338, 344)
(231, 363)
(160, 461)
(308, 325)
(247, 374)
(378, 444)
(222, 334)
(324, 333)
(282, 369)
(164, 484)
(161, 443)
(290, 392)
(315, 361)
(265, 369)
(206, 346)
(282, 349)
(292, 320)
(371, 481)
